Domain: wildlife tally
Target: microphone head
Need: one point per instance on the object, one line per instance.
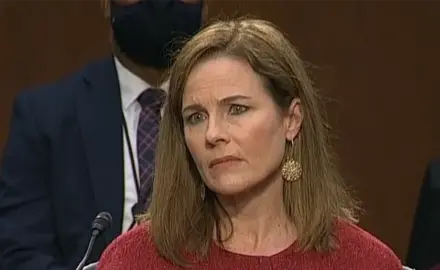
(102, 222)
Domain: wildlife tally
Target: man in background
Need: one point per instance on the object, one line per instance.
(84, 144)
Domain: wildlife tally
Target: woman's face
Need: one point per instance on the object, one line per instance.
(234, 131)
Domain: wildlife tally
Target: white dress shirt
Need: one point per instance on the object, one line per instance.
(131, 87)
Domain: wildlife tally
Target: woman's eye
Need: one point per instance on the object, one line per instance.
(195, 118)
(238, 109)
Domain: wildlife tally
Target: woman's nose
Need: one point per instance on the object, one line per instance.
(216, 131)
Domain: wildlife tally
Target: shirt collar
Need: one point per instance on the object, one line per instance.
(131, 85)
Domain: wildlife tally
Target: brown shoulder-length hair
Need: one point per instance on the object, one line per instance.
(181, 221)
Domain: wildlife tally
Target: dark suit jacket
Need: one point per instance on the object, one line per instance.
(424, 248)
(61, 166)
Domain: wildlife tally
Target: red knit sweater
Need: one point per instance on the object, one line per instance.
(358, 250)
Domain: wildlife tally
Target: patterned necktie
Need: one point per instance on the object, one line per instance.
(151, 101)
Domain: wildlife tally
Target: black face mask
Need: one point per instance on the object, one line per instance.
(148, 32)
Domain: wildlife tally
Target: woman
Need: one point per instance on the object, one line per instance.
(244, 173)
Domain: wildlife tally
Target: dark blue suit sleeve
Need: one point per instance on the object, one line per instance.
(424, 247)
(27, 238)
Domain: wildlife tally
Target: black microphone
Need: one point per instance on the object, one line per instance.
(102, 222)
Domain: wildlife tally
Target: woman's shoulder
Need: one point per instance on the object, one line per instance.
(359, 247)
(130, 250)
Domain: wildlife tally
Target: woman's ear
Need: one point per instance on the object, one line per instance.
(293, 120)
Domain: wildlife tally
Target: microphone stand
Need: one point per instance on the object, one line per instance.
(95, 233)
(101, 223)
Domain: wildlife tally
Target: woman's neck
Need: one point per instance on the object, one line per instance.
(260, 225)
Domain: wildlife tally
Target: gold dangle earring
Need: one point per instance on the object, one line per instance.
(291, 170)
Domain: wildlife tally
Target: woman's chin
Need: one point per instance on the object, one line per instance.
(231, 189)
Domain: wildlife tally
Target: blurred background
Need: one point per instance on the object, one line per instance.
(377, 61)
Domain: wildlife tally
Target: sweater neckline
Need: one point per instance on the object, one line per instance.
(287, 251)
